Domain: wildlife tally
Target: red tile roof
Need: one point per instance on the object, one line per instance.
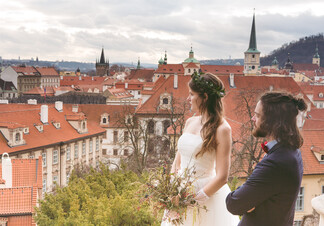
(305, 67)
(85, 80)
(223, 69)
(28, 70)
(93, 112)
(29, 115)
(120, 93)
(16, 200)
(313, 139)
(47, 71)
(50, 91)
(26, 172)
(170, 69)
(11, 125)
(192, 65)
(145, 74)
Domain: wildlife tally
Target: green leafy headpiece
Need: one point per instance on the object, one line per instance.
(206, 86)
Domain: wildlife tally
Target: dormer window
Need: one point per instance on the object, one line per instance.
(39, 127)
(17, 137)
(320, 95)
(105, 118)
(57, 125)
(26, 130)
(83, 125)
(322, 157)
(165, 101)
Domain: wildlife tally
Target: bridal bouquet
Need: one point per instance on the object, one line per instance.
(173, 193)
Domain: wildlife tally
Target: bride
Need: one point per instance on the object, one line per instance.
(206, 145)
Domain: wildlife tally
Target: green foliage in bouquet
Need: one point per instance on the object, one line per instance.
(173, 192)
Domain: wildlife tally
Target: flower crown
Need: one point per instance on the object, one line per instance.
(208, 87)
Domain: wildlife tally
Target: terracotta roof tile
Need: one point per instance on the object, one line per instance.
(145, 74)
(192, 65)
(85, 80)
(26, 172)
(223, 69)
(29, 115)
(11, 125)
(47, 71)
(28, 70)
(170, 69)
(16, 200)
(305, 67)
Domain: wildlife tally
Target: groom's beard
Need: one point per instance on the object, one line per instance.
(259, 132)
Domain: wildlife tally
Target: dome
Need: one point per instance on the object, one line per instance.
(189, 60)
(161, 61)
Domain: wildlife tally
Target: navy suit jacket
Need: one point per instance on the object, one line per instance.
(272, 189)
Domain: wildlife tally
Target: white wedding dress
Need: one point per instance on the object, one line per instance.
(217, 215)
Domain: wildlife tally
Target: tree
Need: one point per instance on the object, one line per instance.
(141, 139)
(97, 197)
(246, 150)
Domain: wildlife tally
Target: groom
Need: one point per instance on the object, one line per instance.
(268, 196)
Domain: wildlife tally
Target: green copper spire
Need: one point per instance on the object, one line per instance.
(253, 45)
(316, 52)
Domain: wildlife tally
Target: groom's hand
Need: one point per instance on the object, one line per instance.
(249, 211)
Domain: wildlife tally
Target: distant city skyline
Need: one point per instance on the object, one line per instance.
(77, 30)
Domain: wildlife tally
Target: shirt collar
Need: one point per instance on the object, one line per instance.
(272, 143)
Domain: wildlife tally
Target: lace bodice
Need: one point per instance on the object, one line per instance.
(189, 145)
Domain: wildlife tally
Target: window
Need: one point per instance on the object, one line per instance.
(83, 148)
(322, 157)
(115, 152)
(97, 144)
(17, 137)
(83, 125)
(189, 70)
(104, 120)
(297, 223)
(90, 146)
(165, 100)
(76, 150)
(126, 152)
(104, 151)
(322, 189)
(151, 126)
(44, 185)
(166, 125)
(55, 157)
(253, 56)
(115, 136)
(55, 180)
(44, 159)
(67, 177)
(126, 136)
(68, 153)
(300, 200)
(253, 67)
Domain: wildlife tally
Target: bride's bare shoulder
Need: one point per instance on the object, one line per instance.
(224, 128)
(190, 121)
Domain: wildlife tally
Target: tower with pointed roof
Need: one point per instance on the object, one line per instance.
(165, 58)
(275, 63)
(252, 54)
(191, 64)
(316, 57)
(138, 64)
(289, 65)
(102, 66)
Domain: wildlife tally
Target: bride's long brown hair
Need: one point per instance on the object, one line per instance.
(211, 107)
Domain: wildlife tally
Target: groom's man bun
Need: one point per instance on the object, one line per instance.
(279, 118)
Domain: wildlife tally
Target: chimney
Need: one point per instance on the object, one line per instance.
(44, 114)
(126, 85)
(175, 81)
(59, 106)
(232, 84)
(7, 170)
(32, 101)
(75, 108)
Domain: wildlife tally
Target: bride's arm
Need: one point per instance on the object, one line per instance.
(223, 159)
(176, 163)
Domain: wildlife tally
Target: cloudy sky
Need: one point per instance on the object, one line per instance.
(76, 30)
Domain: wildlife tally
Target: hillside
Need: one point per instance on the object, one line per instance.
(301, 51)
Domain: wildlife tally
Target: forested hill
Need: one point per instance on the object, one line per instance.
(301, 51)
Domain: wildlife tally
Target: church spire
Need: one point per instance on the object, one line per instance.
(138, 64)
(102, 58)
(253, 43)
